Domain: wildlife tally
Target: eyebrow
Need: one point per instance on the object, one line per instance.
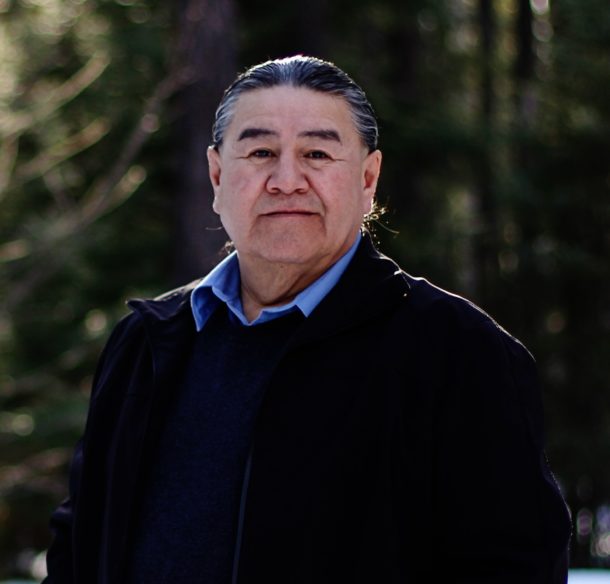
(255, 133)
(323, 134)
(249, 133)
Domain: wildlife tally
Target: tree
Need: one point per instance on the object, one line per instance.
(208, 52)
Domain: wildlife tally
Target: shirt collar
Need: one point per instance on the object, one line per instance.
(222, 284)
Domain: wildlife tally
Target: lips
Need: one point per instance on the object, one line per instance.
(288, 213)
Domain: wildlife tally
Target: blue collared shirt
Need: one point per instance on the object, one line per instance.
(223, 284)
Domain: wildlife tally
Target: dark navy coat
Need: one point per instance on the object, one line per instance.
(400, 440)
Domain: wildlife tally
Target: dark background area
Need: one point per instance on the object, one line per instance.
(495, 128)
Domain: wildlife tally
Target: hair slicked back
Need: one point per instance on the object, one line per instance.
(300, 71)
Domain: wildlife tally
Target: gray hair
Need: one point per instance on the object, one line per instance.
(299, 71)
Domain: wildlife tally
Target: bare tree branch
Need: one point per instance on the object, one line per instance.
(108, 192)
(61, 234)
(15, 124)
(59, 153)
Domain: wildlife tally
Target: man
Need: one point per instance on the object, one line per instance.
(308, 412)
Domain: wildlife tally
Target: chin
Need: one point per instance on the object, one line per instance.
(287, 257)
(290, 252)
(288, 249)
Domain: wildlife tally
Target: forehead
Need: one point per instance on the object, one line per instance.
(286, 110)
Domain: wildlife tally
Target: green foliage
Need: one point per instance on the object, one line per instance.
(67, 262)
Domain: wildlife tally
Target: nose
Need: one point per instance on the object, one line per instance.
(287, 176)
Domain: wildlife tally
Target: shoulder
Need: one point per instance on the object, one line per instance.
(166, 305)
(446, 311)
(131, 338)
(466, 361)
(456, 339)
(430, 300)
(434, 316)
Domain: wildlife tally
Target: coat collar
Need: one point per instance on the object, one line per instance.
(371, 285)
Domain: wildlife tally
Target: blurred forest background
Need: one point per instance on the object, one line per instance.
(495, 125)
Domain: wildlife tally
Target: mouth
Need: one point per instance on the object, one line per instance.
(290, 213)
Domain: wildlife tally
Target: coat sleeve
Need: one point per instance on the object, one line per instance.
(61, 553)
(502, 515)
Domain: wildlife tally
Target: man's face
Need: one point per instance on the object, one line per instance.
(292, 180)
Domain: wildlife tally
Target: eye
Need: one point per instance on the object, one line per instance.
(261, 153)
(317, 155)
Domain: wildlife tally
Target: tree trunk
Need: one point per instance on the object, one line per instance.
(524, 63)
(485, 244)
(312, 37)
(402, 38)
(207, 55)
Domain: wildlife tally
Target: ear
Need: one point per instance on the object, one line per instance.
(371, 168)
(214, 169)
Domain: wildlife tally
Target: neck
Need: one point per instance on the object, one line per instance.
(264, 285)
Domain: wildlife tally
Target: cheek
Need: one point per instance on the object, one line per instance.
(230, 195)
(243, 187)
(235, 203)
(344, 196)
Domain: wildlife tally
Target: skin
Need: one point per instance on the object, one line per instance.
(292, 182)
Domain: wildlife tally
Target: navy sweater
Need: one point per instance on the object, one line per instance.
(185, 530)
